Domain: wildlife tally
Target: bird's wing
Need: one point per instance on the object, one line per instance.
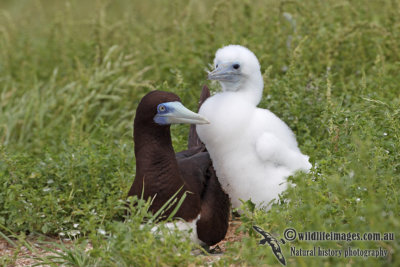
(194, 140)
(271, 149)
(264, 120)
(276, 143)
(194, 170)
(189, 152)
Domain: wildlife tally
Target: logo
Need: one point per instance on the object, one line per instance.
(273, 243)
(291, 234)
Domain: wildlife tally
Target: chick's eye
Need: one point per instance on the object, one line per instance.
(236, 66)
(161, 108)
(216, 66)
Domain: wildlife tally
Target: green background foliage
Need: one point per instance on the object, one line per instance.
(73, 72)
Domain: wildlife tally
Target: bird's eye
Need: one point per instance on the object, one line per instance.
(216, 66)
(236, 66)
(161, 108)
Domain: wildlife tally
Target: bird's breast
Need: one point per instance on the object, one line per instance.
(229, 118)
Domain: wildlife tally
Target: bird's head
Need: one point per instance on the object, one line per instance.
(164, 108)
(237, 69)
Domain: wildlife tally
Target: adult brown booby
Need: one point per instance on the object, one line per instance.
(160, 173)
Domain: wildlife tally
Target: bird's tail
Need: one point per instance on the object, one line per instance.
(194, 139)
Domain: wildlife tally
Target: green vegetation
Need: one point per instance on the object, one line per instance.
(72, 73)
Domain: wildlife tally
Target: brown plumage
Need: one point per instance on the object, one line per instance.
(160, 173)
(194, 140)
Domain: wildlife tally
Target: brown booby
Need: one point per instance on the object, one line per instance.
(160, 173)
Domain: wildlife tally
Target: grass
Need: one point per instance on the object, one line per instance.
(72, 73)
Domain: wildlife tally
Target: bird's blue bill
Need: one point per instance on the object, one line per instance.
(175, 112)
(229, 72)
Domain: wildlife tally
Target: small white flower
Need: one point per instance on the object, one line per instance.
(76, 225)
(101, 231)
(74, 232)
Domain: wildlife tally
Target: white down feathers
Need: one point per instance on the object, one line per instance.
(253, 151)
